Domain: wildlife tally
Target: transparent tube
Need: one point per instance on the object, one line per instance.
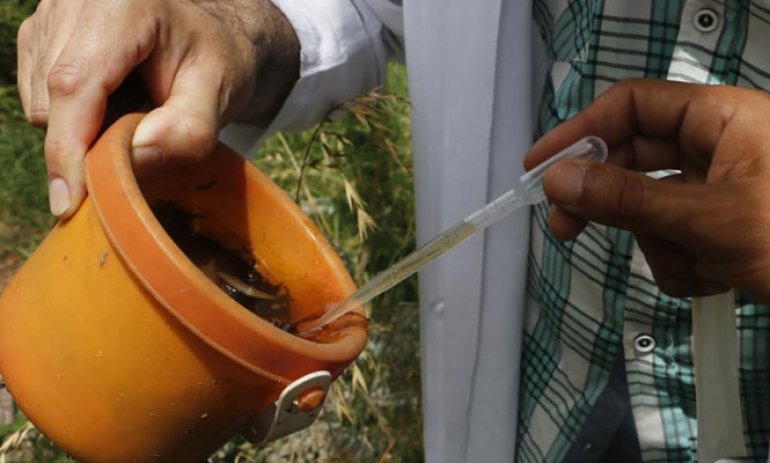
(528, 190)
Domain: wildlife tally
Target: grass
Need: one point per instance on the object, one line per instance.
(353, 177)
(23, 199)
(357, 186)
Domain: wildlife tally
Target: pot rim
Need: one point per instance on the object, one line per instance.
(160, 266)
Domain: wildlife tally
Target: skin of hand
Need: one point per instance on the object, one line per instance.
(702, 231)
(201, 64)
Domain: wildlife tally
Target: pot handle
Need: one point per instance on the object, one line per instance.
(297, 408)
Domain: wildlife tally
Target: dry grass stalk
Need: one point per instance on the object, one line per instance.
(14, 441)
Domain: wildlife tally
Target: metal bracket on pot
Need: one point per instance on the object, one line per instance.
(288, 415)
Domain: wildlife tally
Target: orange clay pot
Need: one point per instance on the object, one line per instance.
(120, 350)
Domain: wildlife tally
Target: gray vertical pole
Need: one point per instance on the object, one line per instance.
(468, 68)
(495, 389)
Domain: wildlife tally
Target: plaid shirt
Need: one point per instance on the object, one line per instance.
(591, 298)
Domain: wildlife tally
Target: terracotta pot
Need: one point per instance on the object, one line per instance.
(120, 350)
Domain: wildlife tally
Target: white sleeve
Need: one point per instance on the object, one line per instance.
(344, 46)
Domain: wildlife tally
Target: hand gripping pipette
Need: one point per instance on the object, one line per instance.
(528, 190)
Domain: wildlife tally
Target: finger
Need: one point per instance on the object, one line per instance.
(648, 107)
(24, 64)
(565, 226)
(79, 83)
(66, 145)
(185, 127)
(676, 286)
(617, 197)
(735, 274)
(673, 268)
(53, 27)
(666, 258)
(645, 154)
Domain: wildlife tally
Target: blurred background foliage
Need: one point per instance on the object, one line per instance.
(352, 175)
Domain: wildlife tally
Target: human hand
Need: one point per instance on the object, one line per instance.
(702, 231)
(203, 63)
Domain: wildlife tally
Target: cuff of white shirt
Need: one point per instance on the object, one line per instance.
(341, 57)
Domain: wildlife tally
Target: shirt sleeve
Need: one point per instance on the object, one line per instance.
(344, 47)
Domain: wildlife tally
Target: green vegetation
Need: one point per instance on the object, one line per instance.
(23, 198)
(12, 13)
(352, 175)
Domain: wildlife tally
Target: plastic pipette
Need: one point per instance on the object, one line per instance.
(528, 190)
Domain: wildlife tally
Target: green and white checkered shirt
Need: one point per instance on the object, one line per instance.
(593, 297)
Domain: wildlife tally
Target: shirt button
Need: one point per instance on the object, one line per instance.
(706, 20)
(644, 343)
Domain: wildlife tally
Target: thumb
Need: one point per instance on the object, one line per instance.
(617, 197)
(185, 127)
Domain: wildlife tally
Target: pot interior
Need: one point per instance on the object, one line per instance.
(250, 223)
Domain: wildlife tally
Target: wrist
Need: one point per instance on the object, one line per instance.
(275, 48)
(278, 64)
(268, 44)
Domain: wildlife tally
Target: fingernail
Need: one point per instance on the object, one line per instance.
(143, 148)
(58, 196)
(142, 136)
(566, 183)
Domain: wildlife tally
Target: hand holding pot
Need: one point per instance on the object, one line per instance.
(202, 63)
(703, 230)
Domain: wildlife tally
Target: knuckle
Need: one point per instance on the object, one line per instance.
(709, 98)
(37, 117)
(24, 34)
(65, 79)
(621, 86)
(52, 6)
(43, 6)
(610, 104)
(616, 195)
(622, 89)
(729, 93)
(628, 194)
(55, 154)
(611, 93)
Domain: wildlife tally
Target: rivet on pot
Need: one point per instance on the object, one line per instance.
(311, 400)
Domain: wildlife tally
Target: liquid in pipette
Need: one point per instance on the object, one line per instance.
(528, 190)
